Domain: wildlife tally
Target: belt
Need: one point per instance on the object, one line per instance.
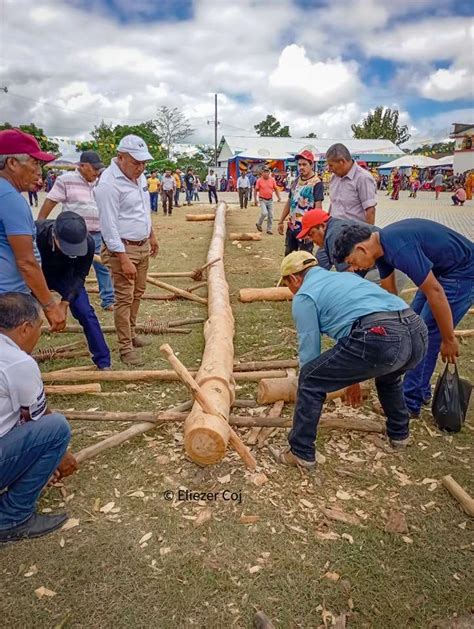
(397, 315)
(137, 243)
(264, 199)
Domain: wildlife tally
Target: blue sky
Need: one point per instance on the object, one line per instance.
(318, 65)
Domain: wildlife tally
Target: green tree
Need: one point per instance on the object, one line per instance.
(434, 149)
(106, 138)
(310, 135)
(382, 124)
(46, 143)
(172, 127)
(272, 127)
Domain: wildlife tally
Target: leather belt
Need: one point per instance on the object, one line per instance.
(137, 243)
(396, 315)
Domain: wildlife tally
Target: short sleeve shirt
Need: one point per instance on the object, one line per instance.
(352, 194)
(16, 219)
(417, 246)
(304, 194)
(265, 187)
(76, 195)
(21, 387)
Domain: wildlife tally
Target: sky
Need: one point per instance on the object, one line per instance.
(317, 65)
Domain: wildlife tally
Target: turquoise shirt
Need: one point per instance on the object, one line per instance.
(329, 303)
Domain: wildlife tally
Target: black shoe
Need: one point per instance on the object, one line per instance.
(259, 227)
(37, 525)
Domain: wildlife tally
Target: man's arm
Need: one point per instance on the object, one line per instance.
(318, 194)
(277, 191)
(46, 209)
(389, 283)
(370, 215)
(284, 214)
(367, 190)
(306, 318)
(441, 310)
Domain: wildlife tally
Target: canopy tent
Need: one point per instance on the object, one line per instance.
(447, 160)
(407, 161)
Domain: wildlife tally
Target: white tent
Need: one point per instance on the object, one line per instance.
(407, 161)
(447, 160)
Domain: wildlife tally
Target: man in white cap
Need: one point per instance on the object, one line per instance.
(124, 213)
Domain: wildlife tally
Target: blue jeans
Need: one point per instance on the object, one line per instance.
(104, 279)
(82, 310)
(460, 296)
(360, 356)
(29, 454)
(153, 201)
(189, 194)
(176, 196)
(266, 212)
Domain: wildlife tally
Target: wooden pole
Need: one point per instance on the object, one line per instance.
(196, 274)
(464, 333)
(207, 405)
(326, 422)
(200, 217)
(248, 295)
(245, 236)
(147, 327)
(460, 494)
(72, 389)
(270, 390)
(177, 291)
(257, 365)
(166, 375)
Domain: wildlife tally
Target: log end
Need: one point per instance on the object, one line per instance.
(206, 439)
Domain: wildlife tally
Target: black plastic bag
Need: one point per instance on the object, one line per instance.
(451, 400)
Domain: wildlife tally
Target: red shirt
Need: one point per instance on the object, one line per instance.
(265, 187)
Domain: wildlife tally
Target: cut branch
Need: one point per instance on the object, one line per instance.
(247, 295)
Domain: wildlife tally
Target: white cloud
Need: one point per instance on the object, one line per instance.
(312, 87)
(448, 84)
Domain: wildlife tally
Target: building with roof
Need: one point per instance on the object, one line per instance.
(463, 136)
(242, 152)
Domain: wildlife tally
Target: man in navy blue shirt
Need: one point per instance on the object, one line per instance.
(377, 336)
(440, 262)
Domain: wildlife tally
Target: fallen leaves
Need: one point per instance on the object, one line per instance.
(107, 508)
(31, 571)
(42, 591)
(145, 538)
(343, 495)
(204, 516)
(249, 519)
(259, 479)
(70, 524)
(341, 516)
(331, 576)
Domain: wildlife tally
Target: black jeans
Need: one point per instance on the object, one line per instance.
(293, 244)
(243, 197)
(381, 348)
(211, 190)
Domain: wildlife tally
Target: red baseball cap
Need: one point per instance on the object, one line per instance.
(311, 219)
(307, 155)
(14, 142)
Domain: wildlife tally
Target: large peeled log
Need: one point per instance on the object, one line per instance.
(206, 436)
(271, 390)
(265, 294)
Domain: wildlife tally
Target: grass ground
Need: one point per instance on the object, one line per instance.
(301, 568)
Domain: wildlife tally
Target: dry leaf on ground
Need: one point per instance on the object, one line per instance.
(42, 591)
(204, 516)
(396, 523)
(145, 538)
(70, 524)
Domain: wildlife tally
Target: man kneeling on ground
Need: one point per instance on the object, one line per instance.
(33, 441)
(377, 337)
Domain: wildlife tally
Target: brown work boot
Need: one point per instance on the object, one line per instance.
(286, 457)
(141, 341)
(132, 358)
(401, 444)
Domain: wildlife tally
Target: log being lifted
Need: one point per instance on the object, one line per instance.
(271, 390)
(72, 389)
(245, 236)
(280, 293)
(206, 436)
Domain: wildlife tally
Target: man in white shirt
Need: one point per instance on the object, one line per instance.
(75, 191)
(211, 181)
(243, 188)
(124, 212)
(33, 441)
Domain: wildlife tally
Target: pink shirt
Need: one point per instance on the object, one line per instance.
(461, 194)
(265, 187)
(76, 195)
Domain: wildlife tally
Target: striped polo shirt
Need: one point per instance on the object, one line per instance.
(76, 195)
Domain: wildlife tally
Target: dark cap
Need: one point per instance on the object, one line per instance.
(92, 158)
(71, 231)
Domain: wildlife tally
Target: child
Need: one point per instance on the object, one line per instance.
(459, 196)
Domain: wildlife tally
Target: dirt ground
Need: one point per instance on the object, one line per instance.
(132, 557)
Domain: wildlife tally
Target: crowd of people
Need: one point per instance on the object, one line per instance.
(106, 222)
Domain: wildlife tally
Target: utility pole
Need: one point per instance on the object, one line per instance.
(215, 129)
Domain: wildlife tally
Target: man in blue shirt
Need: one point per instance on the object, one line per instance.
(377, 337)
(441, 263)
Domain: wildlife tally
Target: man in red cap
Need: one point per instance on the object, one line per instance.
(306, 193)
(20, 270)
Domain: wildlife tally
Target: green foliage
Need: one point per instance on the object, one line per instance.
(382, 124)
(310, 135)
(46, 144)
(272, 127)
(434, 149)
(106, 138)
(171, 126)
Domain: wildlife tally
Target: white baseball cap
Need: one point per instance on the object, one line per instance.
(135, 146)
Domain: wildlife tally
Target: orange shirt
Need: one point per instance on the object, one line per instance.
(265, 187)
